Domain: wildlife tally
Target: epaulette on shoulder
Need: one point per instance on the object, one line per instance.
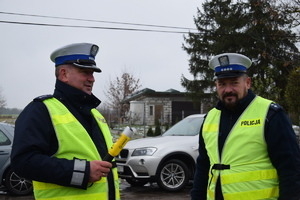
(275, 107)
(43, 97)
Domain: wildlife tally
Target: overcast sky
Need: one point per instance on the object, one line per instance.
(156, 58)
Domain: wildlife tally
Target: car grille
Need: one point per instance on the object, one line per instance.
(124, 153)
(126, 171)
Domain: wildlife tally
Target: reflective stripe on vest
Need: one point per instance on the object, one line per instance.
(244, 168)
(75, 142)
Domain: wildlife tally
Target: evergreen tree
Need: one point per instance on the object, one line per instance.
(157, 128)
(167, 127)
(255, 29)
(150, 132)
(293, 94)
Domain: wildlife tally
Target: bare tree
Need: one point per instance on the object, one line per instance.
(2, 100)
(118, 90)
(108, 114)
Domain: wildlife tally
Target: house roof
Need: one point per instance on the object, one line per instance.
(146, 92)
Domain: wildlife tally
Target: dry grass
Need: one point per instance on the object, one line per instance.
(8, 119)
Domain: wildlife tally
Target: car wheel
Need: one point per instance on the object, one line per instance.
(136, 182)
(173, 175)
(17, 185)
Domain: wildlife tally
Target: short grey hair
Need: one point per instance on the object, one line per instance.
(57, 68)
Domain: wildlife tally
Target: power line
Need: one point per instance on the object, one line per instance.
(94, 27)
(90, 20)
(132, 29)
(112, 28)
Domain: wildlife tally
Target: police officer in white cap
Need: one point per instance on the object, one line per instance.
(247, 146)
(81, 55)
(60, 139)
(229, 65)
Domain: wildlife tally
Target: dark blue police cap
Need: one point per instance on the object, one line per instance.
(229, 65)
(79, 55)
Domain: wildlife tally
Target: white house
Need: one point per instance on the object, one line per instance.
(147, 106)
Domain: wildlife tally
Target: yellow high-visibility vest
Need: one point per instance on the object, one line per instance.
(244, 168)
(75, 142)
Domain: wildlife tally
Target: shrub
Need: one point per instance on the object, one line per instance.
(150, 132)
(157, 128)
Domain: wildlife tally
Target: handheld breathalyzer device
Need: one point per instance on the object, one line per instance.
(119, 144)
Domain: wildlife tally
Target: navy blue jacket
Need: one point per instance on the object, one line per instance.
(282, 148)
(35, 140)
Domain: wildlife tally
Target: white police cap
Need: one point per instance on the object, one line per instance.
(228, 65)
(79, 55)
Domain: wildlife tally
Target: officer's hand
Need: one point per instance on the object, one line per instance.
(99, 169)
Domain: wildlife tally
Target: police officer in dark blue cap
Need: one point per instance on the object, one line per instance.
(60, 139)
(247, 146)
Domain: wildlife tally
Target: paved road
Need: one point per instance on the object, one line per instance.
(152, 192)
(147, 192)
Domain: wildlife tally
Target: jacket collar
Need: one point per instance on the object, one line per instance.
(74, 96)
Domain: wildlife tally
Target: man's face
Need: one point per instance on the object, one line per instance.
(231, 90)
(80, 78)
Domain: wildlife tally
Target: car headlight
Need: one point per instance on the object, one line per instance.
(146, 151)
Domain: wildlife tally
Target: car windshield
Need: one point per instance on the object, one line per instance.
(9, 128)
(186, 127)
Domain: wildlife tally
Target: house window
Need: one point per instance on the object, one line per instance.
(151, 110)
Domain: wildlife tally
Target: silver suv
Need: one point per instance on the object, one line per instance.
(9, 180)
(168, 160)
